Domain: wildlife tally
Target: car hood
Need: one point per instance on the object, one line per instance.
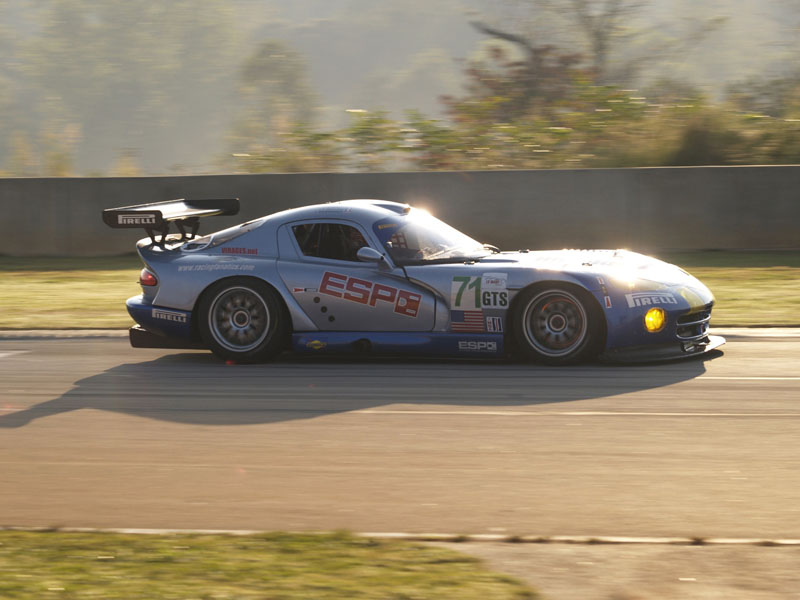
(618, 265)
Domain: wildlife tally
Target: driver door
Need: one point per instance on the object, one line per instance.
(338, 292)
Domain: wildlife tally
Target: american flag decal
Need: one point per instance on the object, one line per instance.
(467, 320)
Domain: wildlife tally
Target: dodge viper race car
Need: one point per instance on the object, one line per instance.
(373, 276)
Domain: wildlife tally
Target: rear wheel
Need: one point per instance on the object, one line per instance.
(557, 324)
(243, 320)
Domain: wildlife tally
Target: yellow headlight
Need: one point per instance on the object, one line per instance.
(655, 319)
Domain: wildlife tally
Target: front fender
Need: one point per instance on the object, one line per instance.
(625, 308)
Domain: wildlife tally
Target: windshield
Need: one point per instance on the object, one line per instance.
(419, 237)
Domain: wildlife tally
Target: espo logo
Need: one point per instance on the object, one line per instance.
(472, 346)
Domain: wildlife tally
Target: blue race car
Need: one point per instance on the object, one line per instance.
(373, 276)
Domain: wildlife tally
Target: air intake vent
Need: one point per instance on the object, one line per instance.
(694, 325)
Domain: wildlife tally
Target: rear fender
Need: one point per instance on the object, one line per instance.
(298, 318)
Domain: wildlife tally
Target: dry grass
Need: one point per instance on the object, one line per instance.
(751, 288)
(39, 566)
(67, 293)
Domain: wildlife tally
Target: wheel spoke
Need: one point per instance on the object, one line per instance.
(239, 319)
(555, 323)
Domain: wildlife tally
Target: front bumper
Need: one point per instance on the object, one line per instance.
(663, 352)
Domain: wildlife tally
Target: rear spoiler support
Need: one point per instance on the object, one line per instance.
(155, 218)
(193, 222)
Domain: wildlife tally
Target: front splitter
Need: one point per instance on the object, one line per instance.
(672, 351)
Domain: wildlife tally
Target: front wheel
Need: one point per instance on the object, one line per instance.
(243, 320)
(557, 324)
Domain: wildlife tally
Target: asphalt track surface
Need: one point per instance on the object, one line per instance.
(94, 433)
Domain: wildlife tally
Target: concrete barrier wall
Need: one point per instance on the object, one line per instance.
(642, 209)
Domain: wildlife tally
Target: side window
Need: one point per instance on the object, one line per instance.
(307, 237)
(329, 240)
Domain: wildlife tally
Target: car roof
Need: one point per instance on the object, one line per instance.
(363, 211)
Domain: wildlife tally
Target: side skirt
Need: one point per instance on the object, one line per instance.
(418, 343)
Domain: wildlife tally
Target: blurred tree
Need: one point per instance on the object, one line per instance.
(615, 38)
(430, 144)
(603, 25)
(139, 73)
(57, 146)
(276, 100)
(299, 150)
(777, 97)
(595, 126)
(780, 143)
(126, 164)
(13, 122)
(372, 140)
(707, 141)
(667, 90)
(599, 24)
(22, 161)
(536, 77)
(82, 79)
(415, 85)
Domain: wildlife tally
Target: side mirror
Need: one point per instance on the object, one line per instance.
(370, 255)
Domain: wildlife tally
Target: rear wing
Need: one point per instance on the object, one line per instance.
(156, 217)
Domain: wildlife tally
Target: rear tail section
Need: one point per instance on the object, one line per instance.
(158, 326)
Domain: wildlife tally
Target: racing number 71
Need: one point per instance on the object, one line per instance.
(468, 283)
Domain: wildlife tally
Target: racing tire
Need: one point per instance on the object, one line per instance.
(557, 324)
(243, 320)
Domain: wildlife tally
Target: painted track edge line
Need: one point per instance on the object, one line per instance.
(790, 331)
(16, 335)
(442, 537)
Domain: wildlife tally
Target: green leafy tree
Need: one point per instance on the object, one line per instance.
(430, 144)
(298, 150)
(372, 140)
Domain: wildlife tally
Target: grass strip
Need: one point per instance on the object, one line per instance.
(751, 288)
(277, 566)
(67, 293)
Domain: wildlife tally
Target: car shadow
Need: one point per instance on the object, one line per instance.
(197, 388)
